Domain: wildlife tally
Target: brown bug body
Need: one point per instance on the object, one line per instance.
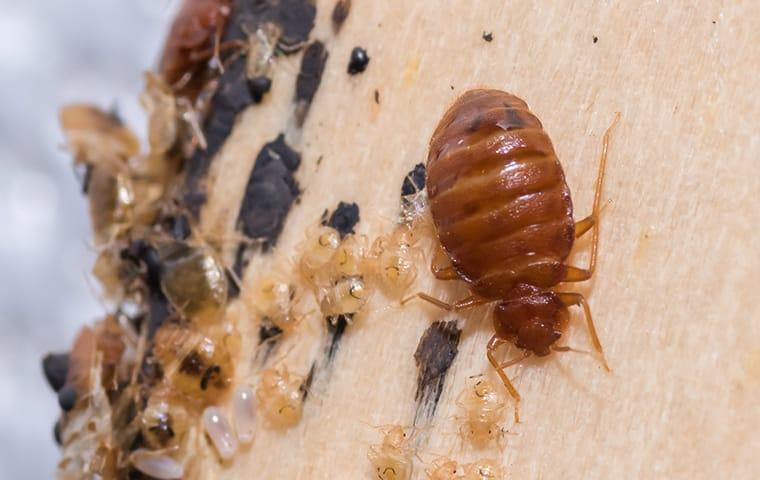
(504, 217)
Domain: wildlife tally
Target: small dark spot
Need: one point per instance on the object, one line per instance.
(212, 373)
(358, 61)
(309, 78)
(596, 39)
(377, 96)
(435, 353)
(488, 36)
(259, 86)
(180, 227)
(319, 160)
(344, 218)
(414, 181)
(306, 385)
(714, 22)
(55, 366)
(336, 327)
(192, 364)
(340, 13)
(162, 431)
(268, 331)
(67, 397)
(57, 432)
(84, 174)
(451, 87)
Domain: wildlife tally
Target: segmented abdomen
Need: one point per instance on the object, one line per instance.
(498, 194)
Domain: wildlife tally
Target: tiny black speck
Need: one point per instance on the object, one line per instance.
(57, 432)
(488, 36)
(414, 181)
(596, 39)
(259, 86)
(451, 86)
(377, 97)
(359, 61)
(67, 397)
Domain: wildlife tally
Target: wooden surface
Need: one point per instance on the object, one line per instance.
(674, 295)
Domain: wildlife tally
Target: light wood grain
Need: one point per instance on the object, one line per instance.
(674, 296)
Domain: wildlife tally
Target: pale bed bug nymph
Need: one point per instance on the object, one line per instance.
(280, 396)
(273, 299)
(484, 411)
(503, 215)
(482, 470)
(392, 459)
(443, 469)
(316, 252)
(393, 259)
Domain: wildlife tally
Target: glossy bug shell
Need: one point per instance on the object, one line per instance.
(498, 195)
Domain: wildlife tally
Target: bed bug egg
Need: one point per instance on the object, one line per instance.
(393, 259)
(194, 281)
(347, 296)
(483, 412)
(482, 470)
(220, 432)
(156, 464)
(245, 413)
(280, 396)
(392, 459)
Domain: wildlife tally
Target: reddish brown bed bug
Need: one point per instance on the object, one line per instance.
(503, 214)
(194, 38)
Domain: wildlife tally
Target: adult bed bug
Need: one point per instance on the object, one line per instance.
(503, 214)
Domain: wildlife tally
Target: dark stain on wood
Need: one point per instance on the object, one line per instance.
(336, 327)
(309, 78)
(436, 351)
(306, 385)
(269, 336)
(340, 14)
(55, 366)
(414, 182)
(343, 219)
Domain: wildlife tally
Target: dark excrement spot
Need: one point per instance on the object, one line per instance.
(259, 86)
(268, 331)
(343, 219)
(211, 374)
(57, 432)
(377, 96)
(488, 36)
(414, 182)
(435, 353)
(358, 61)
(232, 96)
(144, 255)
(336, 327)
(67, 397)
(340, 13)
(306, 385)
(55, 366)
(309, 78)
(192, 364)
(595, 39)
(270, 192)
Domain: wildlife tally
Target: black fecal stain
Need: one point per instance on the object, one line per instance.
(233, 290)
(309, 78)
(340, 13)
(306, 385)
(210, 375)
(377, 96)
(435, 353)
(270, 193)
(269, 335)
(358, 61)
(414, 181)
(595, 39)
(146, 256)
(294, 17)
(488, 36)
(83, 172)
(336, 327)
(55, 366)
(231, 97)
(67, 397)
(57, 432)
(343, 219)
(192, 364)
(259, 87)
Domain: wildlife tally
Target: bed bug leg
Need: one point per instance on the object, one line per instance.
(444, 273)
(493, 344)
(571, 299)
(469, 302)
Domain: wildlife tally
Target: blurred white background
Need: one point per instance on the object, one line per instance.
(53, 52)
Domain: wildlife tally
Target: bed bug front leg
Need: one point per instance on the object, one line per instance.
(571, 299)
(468, 302)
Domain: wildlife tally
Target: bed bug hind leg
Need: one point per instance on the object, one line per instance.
(575, 274)
(468, 302)
(573, 299)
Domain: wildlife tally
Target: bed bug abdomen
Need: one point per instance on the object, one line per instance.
(498, 195)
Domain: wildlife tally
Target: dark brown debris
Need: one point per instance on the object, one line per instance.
(435, 353)
(358, 61)
(340, 13)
